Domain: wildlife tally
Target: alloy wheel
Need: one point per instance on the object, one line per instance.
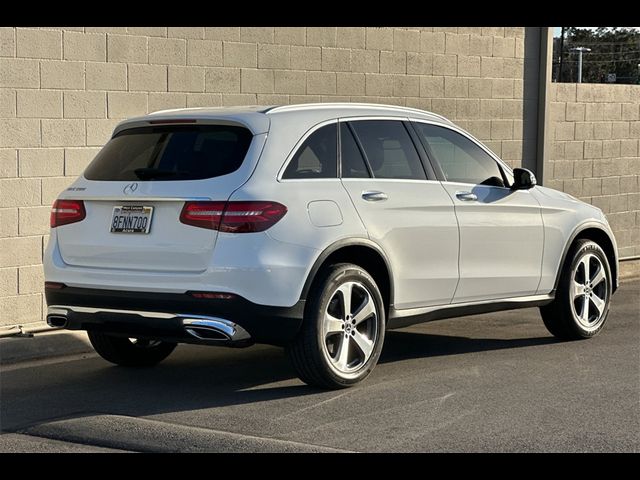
(350, 327)
(589, 292)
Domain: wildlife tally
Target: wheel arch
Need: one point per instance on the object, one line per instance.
(592, 231)
(361, 252)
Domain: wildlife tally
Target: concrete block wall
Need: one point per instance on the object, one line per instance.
(595, 152)
(62, 90)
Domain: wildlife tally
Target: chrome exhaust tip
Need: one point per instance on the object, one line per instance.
(57, 317)
(215, 330)
(56, 321)
(207, 333)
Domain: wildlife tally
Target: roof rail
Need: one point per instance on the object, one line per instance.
(255, 108)
(312, 106)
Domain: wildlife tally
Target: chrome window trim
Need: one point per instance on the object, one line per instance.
(464, 184)
(395, 180)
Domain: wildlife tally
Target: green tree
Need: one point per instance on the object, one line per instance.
(614, 50)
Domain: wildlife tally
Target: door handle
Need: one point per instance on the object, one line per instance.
(466, 196)
(374, 196)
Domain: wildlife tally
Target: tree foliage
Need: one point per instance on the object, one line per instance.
(614, 50)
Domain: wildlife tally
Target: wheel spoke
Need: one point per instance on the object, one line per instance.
(584, 314)
(598, 303)
(364, 344)
(577, 289)
(585, 265)
(342, 358)
(598, 276)
(332, 324)
(365, 311)
(346, 290)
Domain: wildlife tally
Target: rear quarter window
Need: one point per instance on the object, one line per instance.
(317, 157)
(171, 152)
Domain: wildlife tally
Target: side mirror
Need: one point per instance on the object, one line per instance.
(523, 179)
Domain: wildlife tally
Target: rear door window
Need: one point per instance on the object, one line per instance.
(171, 152)
(389, 150)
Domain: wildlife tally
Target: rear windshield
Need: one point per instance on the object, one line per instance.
(171, 152)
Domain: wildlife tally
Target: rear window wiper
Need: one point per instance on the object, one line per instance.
(149, 173)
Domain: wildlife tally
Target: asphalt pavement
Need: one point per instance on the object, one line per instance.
(494, 382)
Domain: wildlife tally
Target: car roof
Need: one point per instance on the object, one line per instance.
(258, 117)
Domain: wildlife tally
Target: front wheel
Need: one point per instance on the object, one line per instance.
(343, 330)
(130, 352)
(581, 306)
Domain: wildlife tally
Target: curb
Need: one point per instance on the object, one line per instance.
(629, 270)
(56, 343)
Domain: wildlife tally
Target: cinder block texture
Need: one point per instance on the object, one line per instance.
(595, 154)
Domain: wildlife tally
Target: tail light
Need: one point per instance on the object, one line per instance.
(65, 212)
(232, 217)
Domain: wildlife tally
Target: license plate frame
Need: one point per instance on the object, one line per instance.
(121, 213)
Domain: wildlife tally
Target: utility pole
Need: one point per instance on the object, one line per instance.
(561, 54)
(580, 50)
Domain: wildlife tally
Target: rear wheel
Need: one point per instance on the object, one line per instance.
(130, 352)
(581, 306)
(343, 330)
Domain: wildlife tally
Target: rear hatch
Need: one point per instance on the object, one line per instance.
(136, 187)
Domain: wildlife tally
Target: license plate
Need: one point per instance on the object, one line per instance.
(131, 219)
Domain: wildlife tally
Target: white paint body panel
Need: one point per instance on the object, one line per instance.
(416, 226)
(501, 242)
(253, 265)
(511, 246)
(563, 215)
(324, 213)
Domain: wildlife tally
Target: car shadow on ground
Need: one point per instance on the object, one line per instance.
(194, 378)
(403, 345)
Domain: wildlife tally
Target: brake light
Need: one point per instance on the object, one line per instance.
(65, 212)
(202, 214)
(233, 217)
(171, 121)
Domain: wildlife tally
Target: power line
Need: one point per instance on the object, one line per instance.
(622, 52)
(587, 42)
(630, 60)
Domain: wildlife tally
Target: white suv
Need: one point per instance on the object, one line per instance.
(314, 227)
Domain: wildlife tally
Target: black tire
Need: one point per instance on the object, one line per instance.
(309, 352)
(560, 316)
(126, 353)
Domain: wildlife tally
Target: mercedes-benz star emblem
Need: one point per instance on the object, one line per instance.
(130, 188)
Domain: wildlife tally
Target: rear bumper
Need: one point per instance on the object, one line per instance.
(253, 265)
(170, 316)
